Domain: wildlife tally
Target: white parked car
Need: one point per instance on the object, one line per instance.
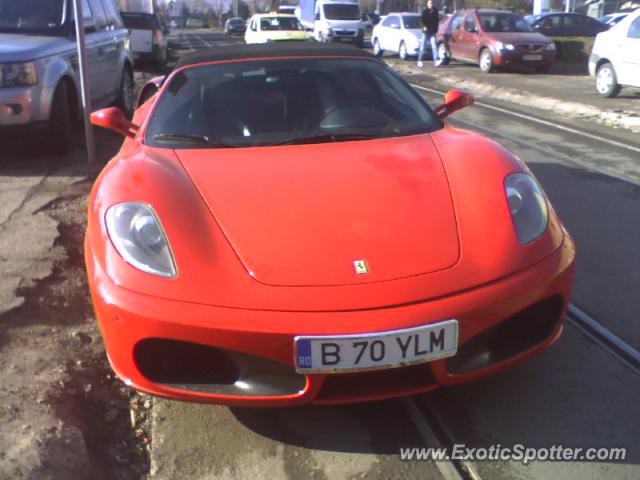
(398, 33)
(615, 57)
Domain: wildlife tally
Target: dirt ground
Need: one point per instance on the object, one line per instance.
(63, 414)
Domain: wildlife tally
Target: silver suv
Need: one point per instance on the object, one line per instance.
(39, 79)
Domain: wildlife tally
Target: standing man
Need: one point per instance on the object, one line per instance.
(429, 21)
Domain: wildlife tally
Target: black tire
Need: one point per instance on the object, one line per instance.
(402, 51)
(377, 51)
(359, 43)
(126, 99)
(607, 81)
(59, 128)
(486, 61)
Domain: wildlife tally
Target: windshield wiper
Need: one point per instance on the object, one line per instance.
(325, 137)
(191, 138)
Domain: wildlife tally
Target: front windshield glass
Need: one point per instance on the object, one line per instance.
(274, 102)
(31, 16)
(279, 23)
(411, 22)
(504, 22)
(341, 11)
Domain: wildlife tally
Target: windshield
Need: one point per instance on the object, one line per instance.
(504, 22)
(31, 16)
(411, 22)
(279, 23)
(341, 11)
(271, 102)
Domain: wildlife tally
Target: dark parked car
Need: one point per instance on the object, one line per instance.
(148, 36)
(566, 24)
(235, 25)
(493, 38)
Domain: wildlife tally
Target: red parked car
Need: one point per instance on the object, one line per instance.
(494, 38)
(287, 224)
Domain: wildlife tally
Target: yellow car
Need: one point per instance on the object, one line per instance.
(273, 27)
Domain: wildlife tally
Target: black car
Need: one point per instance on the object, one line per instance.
(566, 24)
(235, 25)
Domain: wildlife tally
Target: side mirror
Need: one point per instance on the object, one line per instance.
(454, 100)
(113, 119)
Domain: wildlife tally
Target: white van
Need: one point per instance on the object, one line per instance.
(615, 57)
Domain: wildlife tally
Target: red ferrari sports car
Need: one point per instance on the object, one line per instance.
(287, 224)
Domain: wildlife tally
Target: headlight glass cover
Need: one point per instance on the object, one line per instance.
(138, 236)
(18, 74)
(527, 205)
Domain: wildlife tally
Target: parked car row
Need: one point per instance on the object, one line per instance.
(496, 38)
(488, 37)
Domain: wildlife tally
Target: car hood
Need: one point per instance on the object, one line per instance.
(302, 215)
(519, 37)
(15, 47)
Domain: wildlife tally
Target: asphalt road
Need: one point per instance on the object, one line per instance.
(577, 394)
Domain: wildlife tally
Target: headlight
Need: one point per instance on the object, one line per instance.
(18, 74)
(527, 205)
(551, 46)
(504, 46)
(139, 238)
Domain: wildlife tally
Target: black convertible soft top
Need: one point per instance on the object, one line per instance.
(273, 49)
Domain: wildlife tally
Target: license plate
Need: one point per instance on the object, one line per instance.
(373, 351)
(532, 57)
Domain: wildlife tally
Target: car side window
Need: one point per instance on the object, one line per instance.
(387, 22)
(470, 23)
(100, 15)
(395, 22)
(634, 29)
(550, 21)
(87, 12)
(112, 13)
(456, 23)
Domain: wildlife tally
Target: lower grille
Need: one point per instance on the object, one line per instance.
(203, 368)
(519, 333)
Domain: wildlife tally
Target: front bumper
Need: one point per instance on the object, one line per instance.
(496, 331)
(23, 106)
(347, 38)
(514, 58)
